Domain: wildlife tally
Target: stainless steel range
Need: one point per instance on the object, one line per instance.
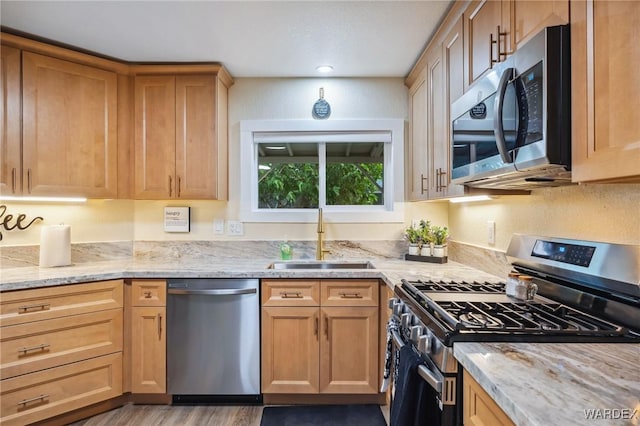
(587, 292)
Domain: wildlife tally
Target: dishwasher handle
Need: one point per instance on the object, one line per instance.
(217, 292)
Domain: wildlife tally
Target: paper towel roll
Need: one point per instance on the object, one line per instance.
(55, 245)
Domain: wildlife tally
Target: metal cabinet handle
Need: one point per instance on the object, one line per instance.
(440, 181)
(423, 179)
(170, 186)
(37, 398)
(317, 321)
(34, 348)
(326, 326)
(29, 181)
(500, 53)
(350, 295)
(159, 318)
(291, 295)
(147, 295)
(13, 180)
(27, 308)
(178, 190)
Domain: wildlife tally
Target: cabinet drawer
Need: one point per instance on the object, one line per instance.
(36, 396)
(149, 293)
(30, 347)
(290, 293)
(349, 292)
(17, 307)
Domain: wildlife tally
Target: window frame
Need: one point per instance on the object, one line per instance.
(390, 212)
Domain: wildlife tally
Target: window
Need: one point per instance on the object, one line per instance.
(347, 168)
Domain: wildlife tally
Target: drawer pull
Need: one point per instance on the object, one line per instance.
(41, 306)
(159, 326)
(350, 295)
(37, 398)
(34, 348)
(291, 295)
(147, 295)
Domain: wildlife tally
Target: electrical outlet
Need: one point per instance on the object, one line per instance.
(218, 227)
(491, 232)
(235, 228)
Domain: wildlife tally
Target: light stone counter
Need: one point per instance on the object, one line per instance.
(546, 384)
(390, 271)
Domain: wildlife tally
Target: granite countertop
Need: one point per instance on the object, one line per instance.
(390, 271)
(560, 384)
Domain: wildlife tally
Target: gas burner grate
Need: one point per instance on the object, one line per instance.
(525, 317)
(458, 286)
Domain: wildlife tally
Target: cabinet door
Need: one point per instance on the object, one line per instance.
(417, 177)
(436, 123)
(10, 137)
(155, 137)
(478, 407)
(196, 142)
(349, 350)
(453, 58)
(530, 17)
(69, 128)
(148, 350)
(290, 349)
(481, 21)
(604, 71)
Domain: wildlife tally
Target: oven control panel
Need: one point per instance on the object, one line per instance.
(563, 252)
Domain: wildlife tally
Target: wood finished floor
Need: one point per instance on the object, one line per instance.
(155, 415)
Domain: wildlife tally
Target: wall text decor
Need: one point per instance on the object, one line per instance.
(6, 223)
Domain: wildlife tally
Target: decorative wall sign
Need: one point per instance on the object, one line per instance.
(177, 219)
(321, 109)
(5, 221)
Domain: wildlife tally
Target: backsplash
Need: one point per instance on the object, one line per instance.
(23, 256)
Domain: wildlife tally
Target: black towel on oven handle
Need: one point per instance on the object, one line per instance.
(414, 402)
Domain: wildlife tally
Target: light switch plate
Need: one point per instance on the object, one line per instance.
(218, 227)
(491, 232)
(235, 227)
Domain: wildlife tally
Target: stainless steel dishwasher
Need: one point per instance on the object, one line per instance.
(213, 340)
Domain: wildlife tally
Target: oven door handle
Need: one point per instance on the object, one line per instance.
(426, 374)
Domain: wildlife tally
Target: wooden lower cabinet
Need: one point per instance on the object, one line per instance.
(479, 408)
(148, 339)
(320, 349)
(36, 396)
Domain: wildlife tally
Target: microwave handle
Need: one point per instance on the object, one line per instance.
(498, 127)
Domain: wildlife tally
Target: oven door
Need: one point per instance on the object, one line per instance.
(434, 401)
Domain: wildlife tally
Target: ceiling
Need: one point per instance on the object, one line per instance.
(252, 39)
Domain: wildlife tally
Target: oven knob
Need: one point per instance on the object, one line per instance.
(416, 332)
(398, 308)
(424, 344)
(406, 320)
(392, 302)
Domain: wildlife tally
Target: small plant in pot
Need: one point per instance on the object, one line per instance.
(426, 238)
(440, 234)
(412, 235)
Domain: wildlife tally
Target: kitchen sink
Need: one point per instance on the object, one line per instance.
(321, 265)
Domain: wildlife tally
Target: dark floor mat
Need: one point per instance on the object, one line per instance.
(323, 415)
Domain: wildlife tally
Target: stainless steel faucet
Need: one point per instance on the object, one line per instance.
(320, 250)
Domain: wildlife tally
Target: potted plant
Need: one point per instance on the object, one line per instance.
(439, 235)
(412, 235)
(426, 238)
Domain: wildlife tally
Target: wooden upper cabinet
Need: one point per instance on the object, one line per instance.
(10, 114)
(605, 85)
(486, 35)
(180, 140)
(196, 142)
(530, 17)
(453, 59)
(437, 144)
(417, 175)
(155, 137)
(69, 138)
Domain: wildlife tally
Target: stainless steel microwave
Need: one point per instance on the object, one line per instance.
(512, 129)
